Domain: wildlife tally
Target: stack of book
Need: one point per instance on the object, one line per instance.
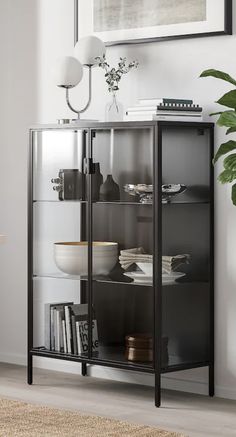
(66, 328)
(164, 109)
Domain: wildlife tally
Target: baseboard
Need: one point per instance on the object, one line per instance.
(13, 359)
(170, 382)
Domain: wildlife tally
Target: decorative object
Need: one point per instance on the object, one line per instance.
(97, 181)
(72, 257)
(171, 190)
(226, 119)
(139, 347)
(114, 109)
(120, 22)
(23, 419)
(145, 191)
(69, 184)
(68, 71)
(109, 190)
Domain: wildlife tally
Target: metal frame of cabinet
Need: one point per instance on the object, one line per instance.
(157, 369)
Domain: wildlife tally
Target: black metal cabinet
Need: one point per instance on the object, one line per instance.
(177, 316)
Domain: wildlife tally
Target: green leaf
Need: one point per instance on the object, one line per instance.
(229, 99)
(234, 194)
(227, 176)
(218, 75)
(230, 162)
(227, 118)
(231, 130)
(224, 148)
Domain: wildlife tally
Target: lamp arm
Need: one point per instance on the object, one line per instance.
(78, 112)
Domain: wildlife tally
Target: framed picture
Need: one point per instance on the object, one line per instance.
(136, 21)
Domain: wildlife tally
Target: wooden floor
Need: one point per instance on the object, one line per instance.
(194, 415)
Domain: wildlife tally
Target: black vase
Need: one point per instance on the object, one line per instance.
(109, 190)
(97, 181)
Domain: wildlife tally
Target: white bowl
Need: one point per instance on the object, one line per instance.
(147, 268)
(72, 257)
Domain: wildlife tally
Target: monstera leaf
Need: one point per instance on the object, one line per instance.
(227, 119)
(218, 75)
(233, 196)
(229, 99)
(227, 177)
(224, 148)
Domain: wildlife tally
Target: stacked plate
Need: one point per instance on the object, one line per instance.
(142, 278)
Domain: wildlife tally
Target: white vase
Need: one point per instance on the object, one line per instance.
(114, 110)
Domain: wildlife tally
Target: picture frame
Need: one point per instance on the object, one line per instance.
(120, 22)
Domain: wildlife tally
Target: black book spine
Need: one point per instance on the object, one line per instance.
(181, 101)
(174, 107)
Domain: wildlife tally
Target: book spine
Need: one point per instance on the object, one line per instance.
(56, 333)
(74, 335)
(47, 326)
(191, 108)
(68, 329)
(61, 342)
(64, 335)
(163, 118)
(78, 338)
(163, 111)
(157, 101)
(52, 348)
(182, 101)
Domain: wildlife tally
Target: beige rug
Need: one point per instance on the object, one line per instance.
(19, 419)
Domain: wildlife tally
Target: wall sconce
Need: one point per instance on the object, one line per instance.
(68, 71)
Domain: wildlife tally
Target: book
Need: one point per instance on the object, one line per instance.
(166, 107)
(150, 117)
(49, 334)
(74, 335)
(64, 336)
(158, 101)
(68, 329)
(162, 112)
(82, 336)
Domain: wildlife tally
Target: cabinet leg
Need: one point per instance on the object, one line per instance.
(211, 380)
(157, 391)
(30, 370)
(84, 369)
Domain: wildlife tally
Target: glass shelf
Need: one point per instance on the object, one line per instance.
(181, 202)
(121, 280)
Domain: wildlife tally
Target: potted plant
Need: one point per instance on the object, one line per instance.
(227, 118)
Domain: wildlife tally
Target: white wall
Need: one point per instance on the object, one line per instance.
(33, 35)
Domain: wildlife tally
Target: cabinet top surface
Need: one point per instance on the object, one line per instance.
(83, 124)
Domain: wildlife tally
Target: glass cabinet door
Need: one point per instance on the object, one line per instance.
(58, 217)
(122, 249)
(186, 230)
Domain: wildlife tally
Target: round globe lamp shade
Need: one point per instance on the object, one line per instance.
(87, 49)
(67, 72)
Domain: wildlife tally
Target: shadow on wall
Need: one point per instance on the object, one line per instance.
(18, 109)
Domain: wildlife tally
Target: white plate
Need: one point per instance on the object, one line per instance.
(140, 277)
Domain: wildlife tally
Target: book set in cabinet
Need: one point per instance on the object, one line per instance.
(100, 185)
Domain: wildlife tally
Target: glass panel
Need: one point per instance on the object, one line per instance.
(123, 297)
(58, 156)
(186, 231)
(60, 297)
